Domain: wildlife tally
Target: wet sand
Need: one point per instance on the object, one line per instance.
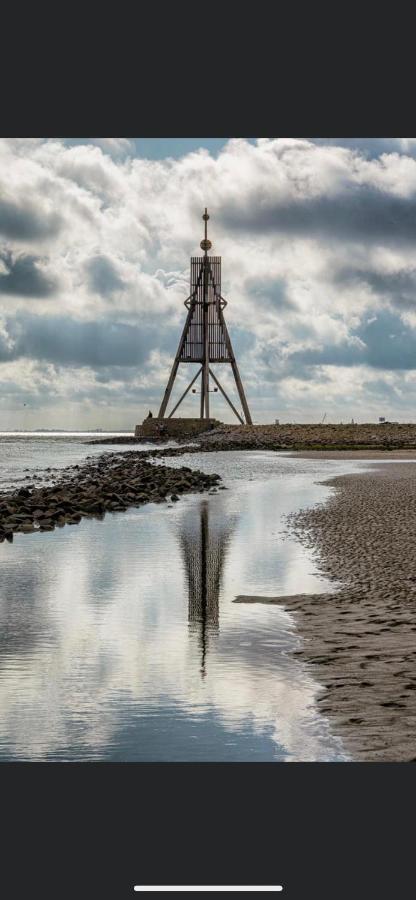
(362, 638)
(356, 454)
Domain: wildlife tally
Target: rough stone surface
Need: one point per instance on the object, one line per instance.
(291, 437)
(151, 428)
(109, 483)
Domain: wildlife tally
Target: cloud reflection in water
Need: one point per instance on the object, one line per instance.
(120, 640)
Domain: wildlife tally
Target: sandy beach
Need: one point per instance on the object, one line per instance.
(362, 638)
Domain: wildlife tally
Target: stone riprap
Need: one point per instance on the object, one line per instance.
(371, 436)
(111, 483)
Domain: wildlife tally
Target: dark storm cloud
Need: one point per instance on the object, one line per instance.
(243, 341)
(391, 344)
(5, 351)
(399, 287)
(67, 342)
(24, 278)
(330, 355)
(360, 214)
(269, 292)
(25, 223)
(102, 276)
(386, 343)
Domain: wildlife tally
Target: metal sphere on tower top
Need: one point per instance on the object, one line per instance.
(206, 244)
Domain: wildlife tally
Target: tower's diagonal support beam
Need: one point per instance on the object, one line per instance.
(175, 367)
(241, 393)
(177, 359)
(221, 304)
(226, 396)
(234, 367)
(185, 393)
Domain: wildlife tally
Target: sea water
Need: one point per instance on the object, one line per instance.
(121, 640)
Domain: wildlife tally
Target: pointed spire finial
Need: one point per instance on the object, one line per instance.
(206, 244)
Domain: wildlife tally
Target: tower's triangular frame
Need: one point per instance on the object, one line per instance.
(205, 337)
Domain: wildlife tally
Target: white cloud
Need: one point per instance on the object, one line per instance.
(116, 146)
(316, 237)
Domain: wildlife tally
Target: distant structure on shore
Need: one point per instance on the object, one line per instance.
(205, 337)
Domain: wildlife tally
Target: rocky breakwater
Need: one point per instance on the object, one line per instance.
(111, 483)
(386, 436)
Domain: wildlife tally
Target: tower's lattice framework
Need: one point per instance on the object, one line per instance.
(205, 337)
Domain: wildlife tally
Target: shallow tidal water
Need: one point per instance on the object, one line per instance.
(120, 640)
(24, 454)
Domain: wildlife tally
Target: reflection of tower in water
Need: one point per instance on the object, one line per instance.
(204, 539)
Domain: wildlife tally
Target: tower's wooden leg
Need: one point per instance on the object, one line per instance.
(234, 367)
(241, 393)
(205, 378)
(168, 390)
(202, 407)
(175, 366)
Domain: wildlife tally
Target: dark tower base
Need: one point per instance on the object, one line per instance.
(155, 427)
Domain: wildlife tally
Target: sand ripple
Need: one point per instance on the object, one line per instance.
(363, 638)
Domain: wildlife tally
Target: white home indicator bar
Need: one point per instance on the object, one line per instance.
(164, 887)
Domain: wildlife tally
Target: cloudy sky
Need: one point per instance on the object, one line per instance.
(318, 239)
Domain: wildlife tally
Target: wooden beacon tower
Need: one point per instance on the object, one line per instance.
(205, 337)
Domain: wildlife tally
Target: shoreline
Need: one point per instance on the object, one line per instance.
(361, 639)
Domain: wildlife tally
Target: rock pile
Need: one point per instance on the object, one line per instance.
(111, 483)
(371, 436)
